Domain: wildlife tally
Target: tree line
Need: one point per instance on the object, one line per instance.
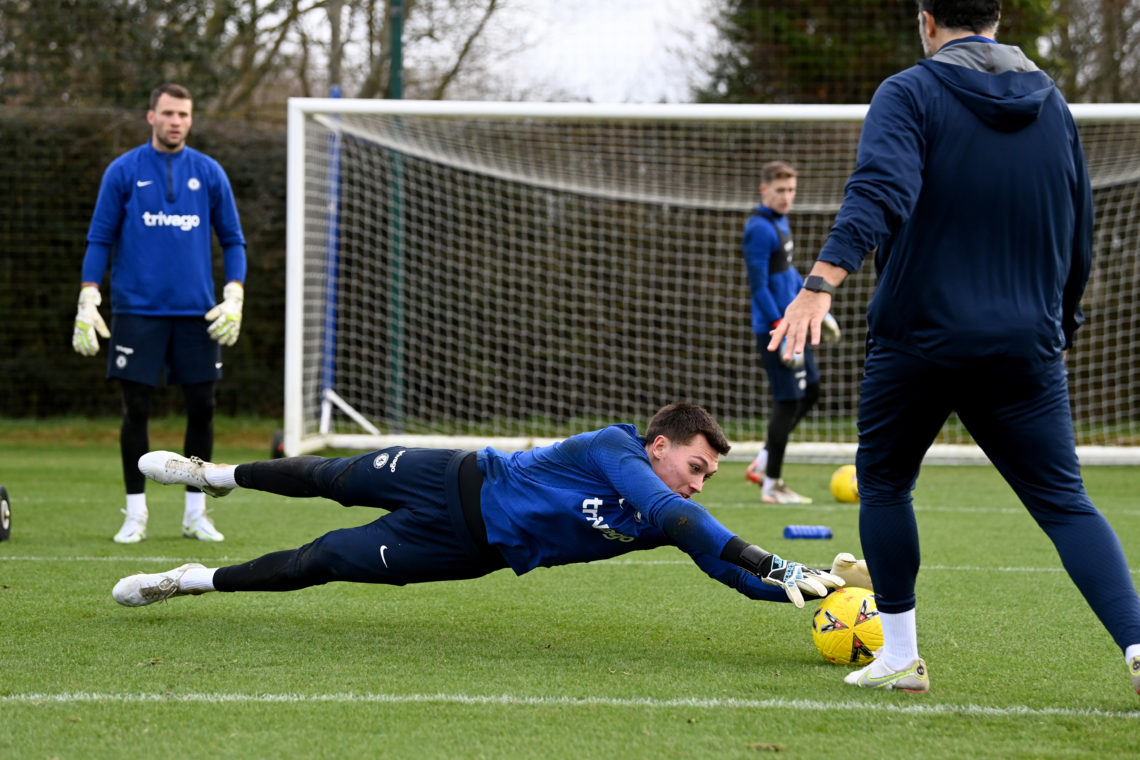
(246, 57)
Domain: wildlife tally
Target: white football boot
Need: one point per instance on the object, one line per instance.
(169, 468)
(878, 675)
(148, 588)
(133, 530)
(202, 528)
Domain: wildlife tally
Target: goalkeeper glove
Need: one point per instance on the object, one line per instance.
(796, 579)
(227, 315)
(830, 329)
(853, 571)
(88, 322)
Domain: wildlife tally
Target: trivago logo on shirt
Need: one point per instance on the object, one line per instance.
(590, 509)
(184, 222)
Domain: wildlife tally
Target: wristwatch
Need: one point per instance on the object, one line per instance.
(817, 284)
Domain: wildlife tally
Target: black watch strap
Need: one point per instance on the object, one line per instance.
(817, 284)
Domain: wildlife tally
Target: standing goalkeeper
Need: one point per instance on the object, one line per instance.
(971, 182)
(156, 207)
(767, 248)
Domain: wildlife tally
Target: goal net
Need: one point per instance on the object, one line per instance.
(465, 274)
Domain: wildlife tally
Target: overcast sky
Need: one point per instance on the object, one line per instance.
(609, 51)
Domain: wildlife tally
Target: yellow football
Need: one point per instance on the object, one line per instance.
(844, 485)
(846, 628)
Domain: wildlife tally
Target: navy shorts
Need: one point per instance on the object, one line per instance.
(143, 348)
(787, 384)
(422, 538)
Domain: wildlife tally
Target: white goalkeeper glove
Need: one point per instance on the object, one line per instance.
(88, 322)
(830, 329)
(853, 571)
(797, 579)
(227, 315)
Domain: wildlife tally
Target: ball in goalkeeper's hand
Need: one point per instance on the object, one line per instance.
(797, 360)
(845, 485)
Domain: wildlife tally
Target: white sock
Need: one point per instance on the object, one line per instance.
(770, 483)
(136, 506)
(195, 506)
(900, 639)
(761, 461)
(221, 475)
(1130, 652)
(198, 579)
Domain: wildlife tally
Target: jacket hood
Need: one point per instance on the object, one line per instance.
(996, 82)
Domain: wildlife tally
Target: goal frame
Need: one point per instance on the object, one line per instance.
(295, 441)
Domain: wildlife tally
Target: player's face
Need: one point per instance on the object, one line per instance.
(779, 194)
(683, 467)
(170, 119)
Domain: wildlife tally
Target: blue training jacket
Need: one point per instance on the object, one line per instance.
(773, 280)
(155, 212)
(595, 496)
(972, 184)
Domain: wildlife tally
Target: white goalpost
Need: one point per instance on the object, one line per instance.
(465, 274)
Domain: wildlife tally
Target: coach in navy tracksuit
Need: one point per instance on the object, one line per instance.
(458, 514)
(971, 182)
(157, 207)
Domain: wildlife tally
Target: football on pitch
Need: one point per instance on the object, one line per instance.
(844, 485)
(846, 628)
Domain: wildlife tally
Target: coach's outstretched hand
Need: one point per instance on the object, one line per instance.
(797, 579)
(88, 322)
(227, 315)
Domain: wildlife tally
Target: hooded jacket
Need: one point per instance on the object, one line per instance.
(972, 185)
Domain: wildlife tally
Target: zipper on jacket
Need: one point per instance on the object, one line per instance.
(169, 181)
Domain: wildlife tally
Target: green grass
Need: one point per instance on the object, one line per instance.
(638, 657)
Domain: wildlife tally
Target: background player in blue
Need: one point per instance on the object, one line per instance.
(971, 179)
(460, 514)
(794, 384)
(156, 208)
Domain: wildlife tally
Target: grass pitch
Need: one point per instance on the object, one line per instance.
(638, 657)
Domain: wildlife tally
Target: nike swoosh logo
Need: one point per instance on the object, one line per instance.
(383, 548)
(144, 182)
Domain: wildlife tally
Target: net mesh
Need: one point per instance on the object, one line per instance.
(537, 275)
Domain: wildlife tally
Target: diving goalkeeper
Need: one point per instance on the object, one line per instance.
(456, 514)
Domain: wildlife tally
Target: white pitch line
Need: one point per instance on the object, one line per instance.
(919, 508)
(508, 700)
(218, 561)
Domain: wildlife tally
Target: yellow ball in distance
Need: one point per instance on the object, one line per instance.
(844, 484)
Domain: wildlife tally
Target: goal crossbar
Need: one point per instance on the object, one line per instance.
(463, 274)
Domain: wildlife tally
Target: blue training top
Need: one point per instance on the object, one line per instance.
(595, 496)
(156, 211)
(767, 249)
(972, 183)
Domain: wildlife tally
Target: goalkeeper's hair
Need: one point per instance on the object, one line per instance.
(975, 15)
(774, 170)
(171, 89)
(682, 422)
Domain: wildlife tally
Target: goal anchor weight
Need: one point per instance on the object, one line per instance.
(5, 514)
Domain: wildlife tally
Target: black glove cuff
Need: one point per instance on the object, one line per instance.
(745, 555)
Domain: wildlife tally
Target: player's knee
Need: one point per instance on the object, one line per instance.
(201, 401)
(136, 403)
(312, 565)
